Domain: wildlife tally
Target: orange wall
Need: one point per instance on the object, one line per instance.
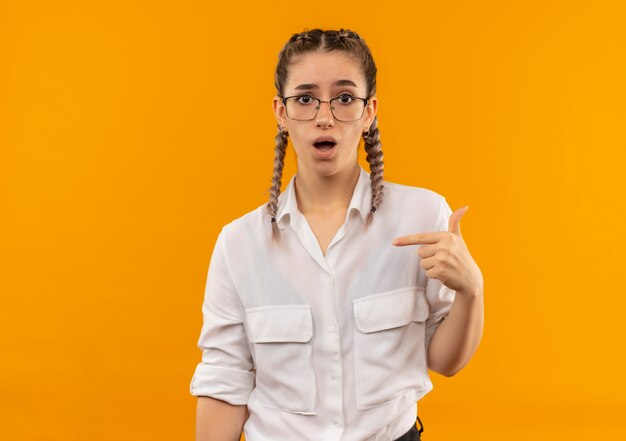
(130, 132)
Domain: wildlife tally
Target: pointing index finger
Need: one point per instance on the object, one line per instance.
(418, 238)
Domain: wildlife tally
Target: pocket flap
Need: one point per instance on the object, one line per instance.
(390, 309)
(279, 323)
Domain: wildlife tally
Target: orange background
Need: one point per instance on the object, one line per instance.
(130, 132)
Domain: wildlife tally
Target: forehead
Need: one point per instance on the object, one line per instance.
(324, 70)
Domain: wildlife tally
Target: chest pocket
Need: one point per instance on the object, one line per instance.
(281, 335)
(389, 346)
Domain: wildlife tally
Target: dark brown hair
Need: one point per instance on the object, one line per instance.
(330, 40)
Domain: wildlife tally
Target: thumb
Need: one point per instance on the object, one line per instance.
(454, 224)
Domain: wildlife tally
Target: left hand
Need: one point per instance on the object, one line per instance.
(445, 256)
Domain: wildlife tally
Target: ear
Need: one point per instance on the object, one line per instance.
(370, 111)
(279, 111)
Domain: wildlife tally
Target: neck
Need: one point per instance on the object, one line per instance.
(319, 194)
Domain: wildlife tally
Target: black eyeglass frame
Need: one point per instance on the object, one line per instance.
(319, 105)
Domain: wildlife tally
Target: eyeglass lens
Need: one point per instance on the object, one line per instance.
(344, 108)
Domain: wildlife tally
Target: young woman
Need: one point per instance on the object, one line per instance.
(320, 323)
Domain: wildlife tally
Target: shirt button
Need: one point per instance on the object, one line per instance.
(333, 375)
(331, 328)
(335, 421)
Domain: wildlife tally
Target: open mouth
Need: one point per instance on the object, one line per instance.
(324, 145)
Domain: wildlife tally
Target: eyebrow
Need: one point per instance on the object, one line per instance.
(311, 86)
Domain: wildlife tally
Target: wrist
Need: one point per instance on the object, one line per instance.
(471, 293)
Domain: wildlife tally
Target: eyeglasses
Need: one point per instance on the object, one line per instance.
(344, 108)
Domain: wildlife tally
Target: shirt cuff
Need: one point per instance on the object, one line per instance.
(230, 385)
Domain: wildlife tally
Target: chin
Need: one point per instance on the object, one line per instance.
(330, 168)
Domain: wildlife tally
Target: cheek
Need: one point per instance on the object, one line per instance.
(357, 134)
(352, 142)
(297, 145)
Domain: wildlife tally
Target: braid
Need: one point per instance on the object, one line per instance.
(279, 163)
(302, 38)
(375, 160)
(342, 34)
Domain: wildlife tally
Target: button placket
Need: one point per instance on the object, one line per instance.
(334, 369)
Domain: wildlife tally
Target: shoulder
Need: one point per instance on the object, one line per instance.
(419, 207)
(422, 197)
(248, 224)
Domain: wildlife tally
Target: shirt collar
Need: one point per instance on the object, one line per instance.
(288, 212)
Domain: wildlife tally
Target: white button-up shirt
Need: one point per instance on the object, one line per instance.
(323, 347)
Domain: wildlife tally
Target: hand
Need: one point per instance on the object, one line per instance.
(445, 256)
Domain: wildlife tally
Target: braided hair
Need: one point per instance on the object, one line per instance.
(330, 40)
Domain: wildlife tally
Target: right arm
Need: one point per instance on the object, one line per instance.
(218, 420)
(224, 379)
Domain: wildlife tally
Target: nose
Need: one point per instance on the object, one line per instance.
(324, 115)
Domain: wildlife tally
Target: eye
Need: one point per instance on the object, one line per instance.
(305, 99)
(345, 98)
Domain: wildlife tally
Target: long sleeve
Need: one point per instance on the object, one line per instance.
(439, 296)
(226, 371)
